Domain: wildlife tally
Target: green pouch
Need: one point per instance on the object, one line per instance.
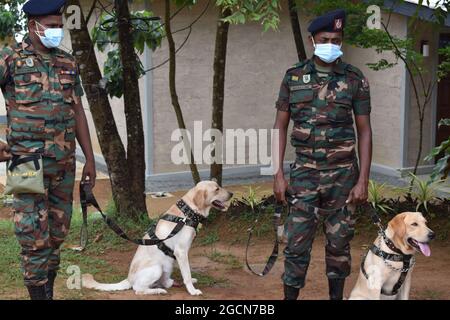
(25, 174)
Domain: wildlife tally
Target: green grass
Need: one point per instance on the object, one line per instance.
(430, 295)
(203, 279)
(228, 259)
(208, 237)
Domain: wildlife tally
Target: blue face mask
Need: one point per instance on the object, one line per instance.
(327, 52)
(52, 37)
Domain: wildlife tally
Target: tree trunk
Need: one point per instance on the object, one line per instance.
(108, 136)
(132, 103)
(220, 57)
(173, 92)
(293, 13)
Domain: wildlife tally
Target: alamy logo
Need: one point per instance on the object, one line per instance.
(374, 21)
(242, 147)
(73, 18)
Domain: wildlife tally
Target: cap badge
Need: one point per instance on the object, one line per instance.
(338, 24)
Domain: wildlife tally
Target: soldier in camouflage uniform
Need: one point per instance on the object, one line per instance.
(321, 95)
(42, 89)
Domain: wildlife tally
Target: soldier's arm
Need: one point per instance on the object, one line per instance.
(281, 124)
(84, 139)
(83, 135)
(362, 109)
(364, 146)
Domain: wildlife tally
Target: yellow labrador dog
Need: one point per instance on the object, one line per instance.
(380, 274)
(151, 269)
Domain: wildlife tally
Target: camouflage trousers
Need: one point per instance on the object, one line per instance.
(42, 221)
(326, 189)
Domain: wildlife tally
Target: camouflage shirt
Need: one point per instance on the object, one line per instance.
(322, 110)
(40, 91)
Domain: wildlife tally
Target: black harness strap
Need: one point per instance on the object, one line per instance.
(274, 255)
(406, 259)
(191, 219)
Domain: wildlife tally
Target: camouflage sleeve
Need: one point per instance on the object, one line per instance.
(361, 98)
(282, 103)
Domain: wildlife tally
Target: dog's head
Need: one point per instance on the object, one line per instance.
(208, 194)
(410, 233)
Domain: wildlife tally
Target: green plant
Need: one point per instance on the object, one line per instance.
(251, 199)
(424, 191)
(442, 168)
(376, 198)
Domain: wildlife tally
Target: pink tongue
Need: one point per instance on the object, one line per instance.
(425, 248)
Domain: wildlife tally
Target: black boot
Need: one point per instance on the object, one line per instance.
(291, 293)
(37, 292)
(336, 288)
(50, 283)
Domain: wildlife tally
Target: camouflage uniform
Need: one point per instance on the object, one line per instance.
(326, 168)
(40, 91)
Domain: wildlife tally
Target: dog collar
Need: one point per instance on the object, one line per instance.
(391, 244)
(189, 212)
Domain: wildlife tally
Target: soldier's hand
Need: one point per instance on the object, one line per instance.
(280, 186)
(5, 152)
(89, 172)
(359, 194)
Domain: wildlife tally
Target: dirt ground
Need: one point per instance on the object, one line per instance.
(431, 279)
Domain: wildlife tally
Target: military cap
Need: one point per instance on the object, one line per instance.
(333, 21)
(44, 7)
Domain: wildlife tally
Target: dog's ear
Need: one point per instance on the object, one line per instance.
(398, 226)
(200, 198)
(214, 180)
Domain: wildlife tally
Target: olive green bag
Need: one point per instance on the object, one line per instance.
(25, 174)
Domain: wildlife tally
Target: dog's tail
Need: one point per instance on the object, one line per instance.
(89, 282)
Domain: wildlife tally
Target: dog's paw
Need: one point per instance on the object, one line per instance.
(151, 291)
(194, 280)
(160, 291)
(195, 292)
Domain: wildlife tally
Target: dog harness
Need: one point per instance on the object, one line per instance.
(191, 219)
(399, 256)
